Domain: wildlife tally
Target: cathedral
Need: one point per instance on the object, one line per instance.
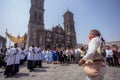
(57, 36)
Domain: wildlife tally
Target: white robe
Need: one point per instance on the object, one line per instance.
(22, 55)
(9, 58)
(31, 54)
(17, 56)
(36, 55)
(43, 53)
(49, 56)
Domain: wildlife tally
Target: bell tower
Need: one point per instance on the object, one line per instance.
(37, 13)
(69, 27)
(36, 22)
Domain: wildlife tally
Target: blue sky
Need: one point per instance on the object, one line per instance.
(103, 15)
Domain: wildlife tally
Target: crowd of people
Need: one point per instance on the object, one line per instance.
(13, 57)
(112, 55)
(34, 56)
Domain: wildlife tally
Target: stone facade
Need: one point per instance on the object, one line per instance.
(2, 41)
(57, 36)
(117, 43)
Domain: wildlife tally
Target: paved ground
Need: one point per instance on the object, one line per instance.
(58, 72)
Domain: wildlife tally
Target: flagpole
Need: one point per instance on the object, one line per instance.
(6, 37)
(16, 52)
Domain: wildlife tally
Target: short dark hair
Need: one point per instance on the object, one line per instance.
(15, 45)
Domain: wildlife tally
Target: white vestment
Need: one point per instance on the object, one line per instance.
(31, 54)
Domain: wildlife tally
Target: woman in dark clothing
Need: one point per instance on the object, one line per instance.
(115, 55)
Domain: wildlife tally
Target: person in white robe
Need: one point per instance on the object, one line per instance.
(13, 60)
(22, 56)
(35, 57)
(48, 56)
(76, 55)
(16, 54)
(9, 63)
(43, 53)
(39, 57)
(67, 57)
(26, 51)
(30, 58)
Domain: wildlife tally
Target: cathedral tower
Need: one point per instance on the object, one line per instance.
(70, 38)
(36, 23)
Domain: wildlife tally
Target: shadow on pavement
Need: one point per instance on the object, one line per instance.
(39, 70)
(21, 75)
(1, 72)
(44, 67)
(64, 64)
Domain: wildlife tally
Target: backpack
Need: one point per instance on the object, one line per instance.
(101, 51)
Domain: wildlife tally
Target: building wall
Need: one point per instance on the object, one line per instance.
(113, 42)
(2, 41)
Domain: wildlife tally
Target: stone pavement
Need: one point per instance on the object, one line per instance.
(58, 72)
